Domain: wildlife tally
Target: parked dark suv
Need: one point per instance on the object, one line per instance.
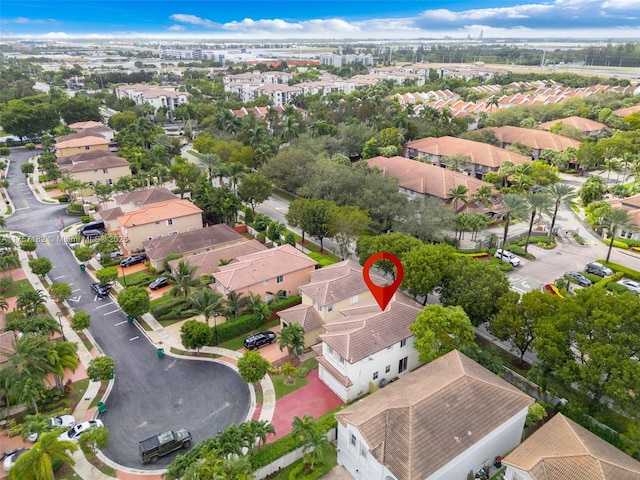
(133, 259)
(101, 289)
(258, 340)
(97, 225)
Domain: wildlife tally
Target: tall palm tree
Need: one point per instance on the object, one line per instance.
(184, 279)
(206, 302)
(63, 355)
(212, 163)
(235, 304)
(458, 193)
(37, 463)
(235, 172)
(257, 306)
(483, 194)
(158, 155)
(611, 165)
(616, 219)
(560, 192)
(30, 301)
(291, 337)
(539, 203)
(514, 207)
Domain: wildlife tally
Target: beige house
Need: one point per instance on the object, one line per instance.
(158, 220)
(330, 290)
(439, 422)
(563, 450)
(585, 125)
(95, 166)
(190, 243)
(81, 144)
(536, 140)
(90, 128)
(483, 158)
(265, 273)
(127, 202)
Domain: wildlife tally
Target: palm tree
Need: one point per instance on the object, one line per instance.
(37, 463)
(611, 165)
(212, 163)
(483, 194)
(616, 219)
(513, 208)
(159, 156)
(235, 304)
(63, 355)
(30, 301)
(457, 193)
(559, 192)
(539, 203)
(205, 302)
(235, 172)
(8, 262)
(291, 337)
(183, 278)
(288, 371)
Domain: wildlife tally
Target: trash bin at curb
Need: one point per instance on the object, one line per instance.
(129, 319)
(82, 267)
(160, 352)
(102, 408)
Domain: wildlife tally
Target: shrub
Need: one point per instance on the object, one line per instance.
(261, 237)
(593, 277)
(5, 151)
(617, 243)
(62, 198)
(283, 303)
(616, 287)
(235, 328)
(86, 219)
(628, 272)
(166, 308)
(30, 146)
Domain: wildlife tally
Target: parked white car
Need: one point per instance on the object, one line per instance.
(507, 257)
(68, 421)
(631, 285)
(11, 458)
(79, 429)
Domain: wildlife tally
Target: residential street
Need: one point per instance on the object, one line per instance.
(149, 395)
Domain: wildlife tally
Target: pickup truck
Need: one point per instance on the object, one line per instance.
(162, 444)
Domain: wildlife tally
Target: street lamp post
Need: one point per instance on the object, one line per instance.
(124, 279)
(60, 322)
(215, 328)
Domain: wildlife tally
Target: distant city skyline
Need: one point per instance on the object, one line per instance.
(236, 20)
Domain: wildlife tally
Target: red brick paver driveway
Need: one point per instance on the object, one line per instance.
(313, 399)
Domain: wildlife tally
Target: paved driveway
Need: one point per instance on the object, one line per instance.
(150, 395)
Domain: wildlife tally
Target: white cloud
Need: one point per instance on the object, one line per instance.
(519, 11)
(31, 21)
(56, 36)
(176, 28)
(622, 5)
(193, 20)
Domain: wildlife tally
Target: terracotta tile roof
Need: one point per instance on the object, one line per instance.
(366, 329)
(146, 196)
(158, 212)
(209, 262)
(480, 153)
(257, 267)
(425, 178)
(631, 202)
(563, 450)
(6, 344)
(110, 213)
(99, 163)
(537, 139)
(623, 112)
(88, 156)
(343, 379)
(89, 124)
(430, 416)
(305, 315)
(186, 242)
(82, 142)
(88, 132)
(582, 124)
(337, 282)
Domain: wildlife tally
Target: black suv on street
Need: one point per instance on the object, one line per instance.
(101, 289)
(133, 259)
(257, 340)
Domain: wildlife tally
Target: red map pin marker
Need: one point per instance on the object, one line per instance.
(383, 295)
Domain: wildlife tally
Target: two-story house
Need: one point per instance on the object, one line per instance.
(158, 220)
(368, 347)
(95, 166)
(126, 202)
(265, 273)
(536, 140)
(587, 126)
(80, 144)
(439, 422)
(483, 158)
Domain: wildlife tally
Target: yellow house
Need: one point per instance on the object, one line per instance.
(95, 166)
(158, 220)
(81, 145)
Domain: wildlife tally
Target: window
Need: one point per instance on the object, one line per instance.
(329, 350)
(192, 229)
(279, 279)
(320, 308)
(375, 375)
(172, 233)
(341, 359)
(268, 298)
(403, 343)
(517, 476)
(265, 282)
(157, 223)
(330, 308)
(159, 235)
(353, 300)
(363, 450)
(105, 170)
(87, 148)
(402, 365)
(109, 181)
(170, 222)
(353, 440)
(387, 369)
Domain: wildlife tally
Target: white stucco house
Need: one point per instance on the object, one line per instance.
(368, 347)
(440, 422)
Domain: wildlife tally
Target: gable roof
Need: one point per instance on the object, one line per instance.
(186, 242)
(158, 212)
(84, 162)
(430, 416)
(146, 196)
(425, 178)
(305, 315)
(366, 329)
(257, 267)
(82, 141)
(624, 112)
(582, 124)
(89, 156)
(209, 262)
(532, 138)
(563, 450)
(337, 282)
(478, 152)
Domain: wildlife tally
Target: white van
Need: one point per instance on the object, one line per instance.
(507, 257)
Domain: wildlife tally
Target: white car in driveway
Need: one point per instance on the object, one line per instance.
(631, 285)
(507, 257)
(79, 429)
(12, 456)
(68, 421)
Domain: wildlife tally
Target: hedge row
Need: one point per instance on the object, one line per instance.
(168, 307)
(234, 328)
(283, 303)
(628, 272)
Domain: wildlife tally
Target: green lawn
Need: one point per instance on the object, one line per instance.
(324, 259)
(329, 460)
(18, 287)
(282, 389)
(136, 278)
(238, 342)
(283, 194)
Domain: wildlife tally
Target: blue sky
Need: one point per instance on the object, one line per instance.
(320, 19)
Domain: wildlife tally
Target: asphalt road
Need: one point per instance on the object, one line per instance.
(150, 395)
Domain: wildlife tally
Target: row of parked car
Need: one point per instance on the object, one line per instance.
(600, 270)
